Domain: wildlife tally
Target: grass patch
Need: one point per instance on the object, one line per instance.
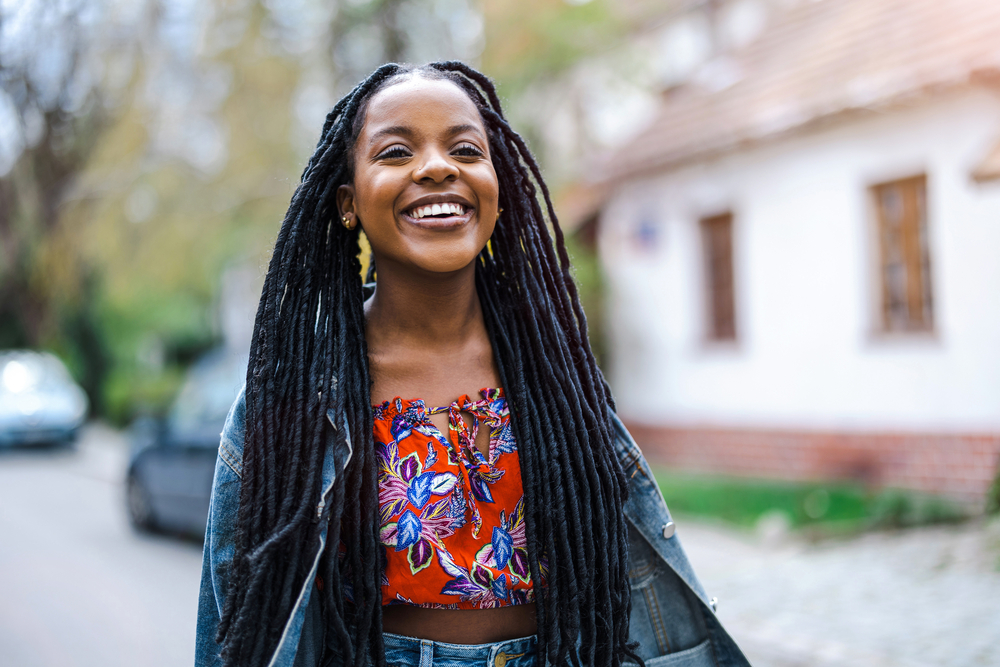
(833, 506)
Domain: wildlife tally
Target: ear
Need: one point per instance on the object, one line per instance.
(345, 200)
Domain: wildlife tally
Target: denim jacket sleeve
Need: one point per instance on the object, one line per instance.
(220, 535)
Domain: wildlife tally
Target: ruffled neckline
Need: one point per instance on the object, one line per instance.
(488, 393)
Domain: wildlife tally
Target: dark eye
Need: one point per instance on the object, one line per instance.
(393, 153)
(467, 150)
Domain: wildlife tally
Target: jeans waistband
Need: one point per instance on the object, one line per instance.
(413, 652)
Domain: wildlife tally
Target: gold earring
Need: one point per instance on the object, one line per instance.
(499, 211)
(347, 222)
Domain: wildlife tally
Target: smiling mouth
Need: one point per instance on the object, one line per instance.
(438, 211)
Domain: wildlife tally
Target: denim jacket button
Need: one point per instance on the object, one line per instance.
(501, 659)
(669, 529)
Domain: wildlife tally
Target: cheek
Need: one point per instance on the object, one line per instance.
(490, 183)
(375, 195)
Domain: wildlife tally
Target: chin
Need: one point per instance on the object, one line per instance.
(446, 261)
(445, 267)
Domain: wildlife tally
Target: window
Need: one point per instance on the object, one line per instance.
(904, 258)
(717, 239)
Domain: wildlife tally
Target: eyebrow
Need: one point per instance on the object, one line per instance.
(458, 129)
(403, 130)
(395, 129)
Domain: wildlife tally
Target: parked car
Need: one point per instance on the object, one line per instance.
(169, 479)
(39, 401)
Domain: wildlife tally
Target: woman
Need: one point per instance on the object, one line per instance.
(346, 528)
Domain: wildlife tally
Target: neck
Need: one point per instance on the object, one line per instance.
(424, 310)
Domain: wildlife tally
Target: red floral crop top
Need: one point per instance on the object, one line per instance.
(451, 519)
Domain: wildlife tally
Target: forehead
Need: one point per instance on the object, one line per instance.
(419, 103)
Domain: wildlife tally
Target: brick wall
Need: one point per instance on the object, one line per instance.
(960, 466)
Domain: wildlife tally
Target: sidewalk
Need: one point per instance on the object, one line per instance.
(927, 597)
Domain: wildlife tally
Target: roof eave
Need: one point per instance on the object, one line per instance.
(616, 174)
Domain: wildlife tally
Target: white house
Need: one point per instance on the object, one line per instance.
(802, 252)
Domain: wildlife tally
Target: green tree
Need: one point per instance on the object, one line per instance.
(54, 112)
(197, 159)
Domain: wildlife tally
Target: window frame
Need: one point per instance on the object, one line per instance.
(713, 333)
(914, 230)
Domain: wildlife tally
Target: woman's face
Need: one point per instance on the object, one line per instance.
(424, 191)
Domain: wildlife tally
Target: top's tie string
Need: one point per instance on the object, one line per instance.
(480, 411)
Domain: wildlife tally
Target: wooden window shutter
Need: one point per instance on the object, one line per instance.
(717, 240)
(904, 255)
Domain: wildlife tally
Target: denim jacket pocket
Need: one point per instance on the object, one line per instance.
(666, 617)
(697, 656)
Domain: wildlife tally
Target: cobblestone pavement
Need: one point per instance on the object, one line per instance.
(911, 598)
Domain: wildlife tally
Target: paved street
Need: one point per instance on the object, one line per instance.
(78, 588)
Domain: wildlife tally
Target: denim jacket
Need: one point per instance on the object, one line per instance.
(671, 619)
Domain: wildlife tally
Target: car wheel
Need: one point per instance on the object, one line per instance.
(140, 509)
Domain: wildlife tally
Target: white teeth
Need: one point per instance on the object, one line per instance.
(438, 209)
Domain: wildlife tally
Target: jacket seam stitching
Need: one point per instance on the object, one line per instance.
(657, 618)
(638, 465)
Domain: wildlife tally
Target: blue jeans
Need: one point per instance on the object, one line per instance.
(403, 651)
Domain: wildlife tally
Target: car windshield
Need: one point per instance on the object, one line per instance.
(208, 392)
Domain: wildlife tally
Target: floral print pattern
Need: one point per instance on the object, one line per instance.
(451, 517)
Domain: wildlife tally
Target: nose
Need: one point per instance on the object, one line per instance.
(435, 167)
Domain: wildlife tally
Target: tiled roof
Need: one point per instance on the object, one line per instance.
(819, 59)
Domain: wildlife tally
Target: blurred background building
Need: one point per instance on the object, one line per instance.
(800, 251)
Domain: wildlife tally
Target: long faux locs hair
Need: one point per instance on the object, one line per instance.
(309, 356)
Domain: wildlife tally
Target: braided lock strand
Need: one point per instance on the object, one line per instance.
(309, 356)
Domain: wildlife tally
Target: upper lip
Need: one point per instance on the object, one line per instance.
(443, 198)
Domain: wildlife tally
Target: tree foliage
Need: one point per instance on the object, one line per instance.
(146, 146)
(158, 143)
(53, 111)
